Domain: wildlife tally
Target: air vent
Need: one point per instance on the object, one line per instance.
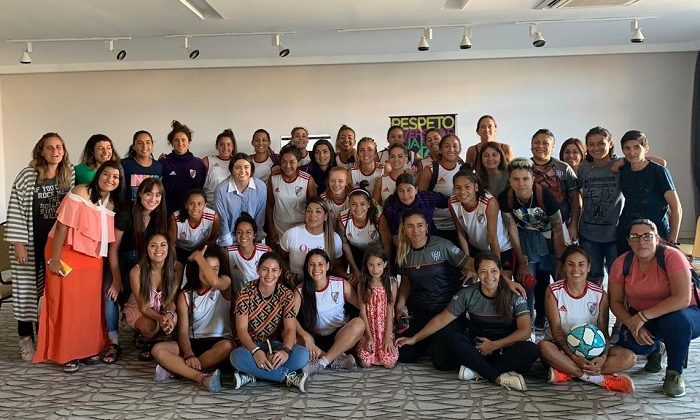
(566, 4)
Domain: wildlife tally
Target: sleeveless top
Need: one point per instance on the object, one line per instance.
(210, 314)
(575, 310)
(191, 237)
(442, 217)
(388, 187)
(218, 171)
(360, 237)
(263, 169)
(474, 223)
(357, 175)
(290, 200)
(243, 270)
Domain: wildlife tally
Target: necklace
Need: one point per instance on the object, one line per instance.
(522, 205)
(422, 254)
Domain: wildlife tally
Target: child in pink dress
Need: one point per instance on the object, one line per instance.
(377, 291)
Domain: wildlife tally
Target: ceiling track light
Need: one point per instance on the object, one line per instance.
(186, 45)
(423, 43)
(281, 49)
(466, 42)
(537, 38)
(637, 35)
(25, 58)
(109, 46)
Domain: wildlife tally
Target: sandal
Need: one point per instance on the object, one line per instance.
(92, 360)
(112, 354)
(145, 354)
(71, 367)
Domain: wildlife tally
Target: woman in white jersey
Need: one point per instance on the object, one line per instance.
(324, 328)
(447, 167)
(264, 159)
(192, 226)
(243, 257)
(367, 168)
(204, 325)
(480, 228)
(345, 147)
(395, 135)
(217, 166)
(432, 139)
(336, 195)
(359, 229)
(573, 301)
(300, 138)
(287, 193)
(385, 186)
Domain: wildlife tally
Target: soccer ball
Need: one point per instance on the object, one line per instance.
(586, 340)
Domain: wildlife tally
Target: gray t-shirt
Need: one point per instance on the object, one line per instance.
(602, 201)
(482, 314)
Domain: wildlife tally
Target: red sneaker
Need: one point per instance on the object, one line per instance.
(618, 383)
(557, 376)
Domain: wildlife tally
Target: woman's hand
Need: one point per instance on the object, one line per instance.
(167, 323)
(581, 362)
(635, 323)
(522, 271)
(55, 266)
(279, 358)
(517, 288)
(114, 289)
(197, 253)
(21, 253)
(405, 341)
(595, 366)
(644, 337)
(261, 360)
(400, 312)
(486, 346)
(314, 351)
(194, 363)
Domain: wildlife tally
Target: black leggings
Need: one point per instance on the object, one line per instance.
(25, 329)
(410, 354)
(452, 350)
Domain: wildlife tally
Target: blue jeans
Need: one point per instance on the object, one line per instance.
(242, 360)
(601, 255)
(111, 308)
(675, 329)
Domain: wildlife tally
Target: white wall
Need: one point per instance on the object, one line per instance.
(650, 92)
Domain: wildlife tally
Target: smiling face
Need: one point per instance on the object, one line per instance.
(416, 228)
(225, 148)
(314, 216)
(465, 190)
(143, 145)
(489, 276)
(359, 205)
(109, 180)
(634, 151)
(397, 159)
(367, 152)
(102, 152)
(576, 267)
(572, 155)
(180, 143)
(338, 182)
(406, 193)
(289, 165)
(53, 150)
(346, 140)
(395, 136)
(322, 155)
(150, 200)
(432, 140)
(450, 149)
(261, 143)
(490, 158)
(300, 138)
(241, 171)
(318, 268)
(195, 206)
(157, 248)
(269, 272)
(245, 235)
(487, 129)
(375, 266)
(541, 147)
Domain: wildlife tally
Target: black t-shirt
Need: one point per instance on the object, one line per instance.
(124, 221)
(45, 201)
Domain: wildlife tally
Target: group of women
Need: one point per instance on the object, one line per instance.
(299, 247)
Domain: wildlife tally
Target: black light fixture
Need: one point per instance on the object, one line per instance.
(281, 49)
(536, 35)
(186, 45)
(109, 46)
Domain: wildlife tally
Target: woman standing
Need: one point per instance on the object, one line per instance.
(98, 150)
(486, 128)
(286, 194)
(36, 194)
(651, 292)
(264, 159)
(432, 141)
(322, 162)
(367, 167)
(241, 192)
(300, 138)
(573, 152)
(182, 170)
(71, 326)
(265, 314)
(139, 164)
(395, 135)
(243, 257)
(336, 195)
(345, 146)
(491, 168)
(496, 346)
(217, 166)
(385, 186)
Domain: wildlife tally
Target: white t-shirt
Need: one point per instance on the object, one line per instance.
(361, 237)
(442, 217)
(211, 314)
(574, 310)
(290, 200)
(474, 222)
(244, 270)
(217, 173)
(358, 176)
(263, 169)
(192, 237)
(330, 304)
(297, 241)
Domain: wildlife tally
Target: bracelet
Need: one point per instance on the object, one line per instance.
(287, 350)
(254, 350)
(643, 317)
(189, 357)
(171, 313)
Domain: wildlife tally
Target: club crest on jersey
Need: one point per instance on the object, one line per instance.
(481, 218)
(335, 296)
(436, 255)
(193, 173)
(592, 307)
(373, 235)
(297, 191)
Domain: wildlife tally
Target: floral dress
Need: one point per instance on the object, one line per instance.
(376, 316)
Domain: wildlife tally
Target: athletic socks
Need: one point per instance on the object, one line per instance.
(594, 379)
(323, 361)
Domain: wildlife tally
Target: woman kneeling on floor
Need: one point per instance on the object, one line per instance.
(204, 327)
(326, 331)
(266, 328)
(495, 345)
(573, 301)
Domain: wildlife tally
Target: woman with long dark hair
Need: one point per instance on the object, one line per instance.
(139, 164)
(217, 165)
(98, 150)
(322, 161)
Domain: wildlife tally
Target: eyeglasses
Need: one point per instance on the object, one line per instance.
(633, 237)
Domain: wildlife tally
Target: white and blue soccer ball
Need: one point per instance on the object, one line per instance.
(586, 340)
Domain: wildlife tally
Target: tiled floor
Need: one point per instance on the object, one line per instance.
(126, 390)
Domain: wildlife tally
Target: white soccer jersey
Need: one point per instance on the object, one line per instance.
(474, 222)
(330, 303)
(244, 270)
(360, 237)
(263, 169)
(358, 176)
(442, 218)
(217, 173)
(211, 314)
(388, 187)
(336, 208)
(290, 200)
(574, 310)
(342, 164)
(191, 237)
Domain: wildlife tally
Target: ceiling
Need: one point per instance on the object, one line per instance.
(669, 25)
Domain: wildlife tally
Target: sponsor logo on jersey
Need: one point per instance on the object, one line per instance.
(562, 308)
(173, 173)
(277, 189)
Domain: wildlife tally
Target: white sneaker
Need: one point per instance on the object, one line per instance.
(26, 348)
(241, 378)
(512, 380)
(162, 374)
(467, 374)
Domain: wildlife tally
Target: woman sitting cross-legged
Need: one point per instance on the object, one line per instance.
(496, 345)
(572, 301)
(266, 330)
(324, 326)
(155, 282)
(204, 327)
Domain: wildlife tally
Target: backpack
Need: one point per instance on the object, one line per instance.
(539, 196)
(661, 262)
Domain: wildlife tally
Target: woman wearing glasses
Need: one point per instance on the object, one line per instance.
(662, 313)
